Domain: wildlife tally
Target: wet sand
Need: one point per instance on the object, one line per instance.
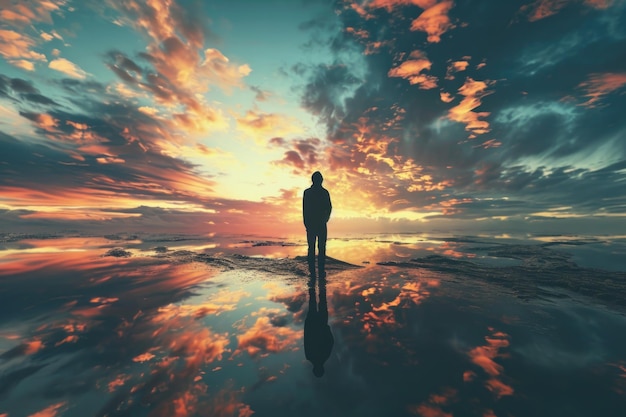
(179, 326)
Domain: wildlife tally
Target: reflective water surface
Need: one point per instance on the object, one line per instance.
(156, 331)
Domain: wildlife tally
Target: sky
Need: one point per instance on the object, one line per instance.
(181, 116)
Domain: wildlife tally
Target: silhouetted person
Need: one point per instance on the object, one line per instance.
(316, 208)
(318, 339)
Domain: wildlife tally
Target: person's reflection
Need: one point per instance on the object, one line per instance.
(318, 339)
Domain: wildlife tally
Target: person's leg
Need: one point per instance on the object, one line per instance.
(323, 305)
(310, 238)
(321, 244)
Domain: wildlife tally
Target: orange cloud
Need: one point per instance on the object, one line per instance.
(46, 122)
(41, 260)
(383, 313)
(599, 4)
(68, 339)
(359, 33)
(16, 48)
(9, 15)
(432, 407)
(456, 66)
(448, 207)
(264, 338)
(50, 411)
(491, 143)
(205, 150)
(434, 21)
(23, 64)
(499, 388)
(33, 346)
(67, 67)
(119, 381)
(391, 4)
(446, 97)
(59, 198)
(151, 111)
(144, 357)
(374, 47)
(217, 68)
(412, 68)
(473, 91)
(199, 348)
(191, 67)
(223, 302)
(264, 126)
(484, 356)
(49, 36)
(227, 403)
(541, 9)
(110, 160)
(601, 84)
(184, 68)
(30, 11)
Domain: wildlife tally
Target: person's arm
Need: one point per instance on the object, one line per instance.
(330, 206)
(304, 208)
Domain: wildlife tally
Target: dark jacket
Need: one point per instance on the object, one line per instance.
(318, 339)
(316, 206)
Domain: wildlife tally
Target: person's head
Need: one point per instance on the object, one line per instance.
(318, 370)
(317, 178)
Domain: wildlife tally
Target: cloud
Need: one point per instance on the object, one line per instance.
(324, 92)
(260, 94)
(18, 38)
(301, 154)
(157, 328)
(599, 4)
(23, 64)
(434, 21)
(541, 9)
(17, 49)
(456, 66)
(67, 67)
(405, 147)
(31, 11)
(220, 71)
(263, 338)
(197, 116)
(484, 357)
(263, 126)
(601, 84)
(393, 114)
(129, 136)
(43, 121)
(20, 89)
(391, 4)
(412, 68)
(183, 66)
(472, 92)
(100, 172)
(446, 97)
(51, 411)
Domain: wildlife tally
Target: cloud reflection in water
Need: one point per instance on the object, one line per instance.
(83, 334)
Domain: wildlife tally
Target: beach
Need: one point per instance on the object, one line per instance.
(136, 324)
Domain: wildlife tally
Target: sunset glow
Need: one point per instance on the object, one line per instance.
(196, 117)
